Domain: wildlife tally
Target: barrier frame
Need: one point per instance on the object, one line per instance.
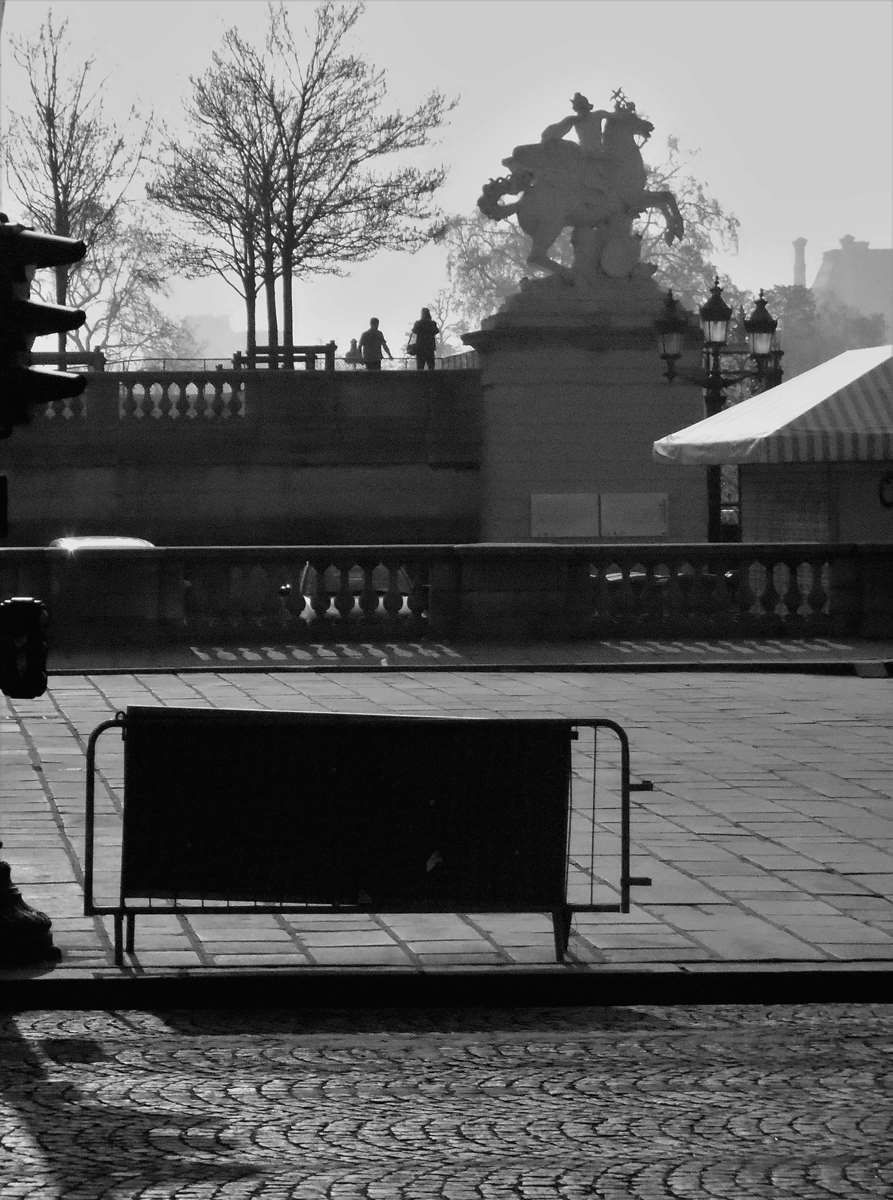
(562, 910)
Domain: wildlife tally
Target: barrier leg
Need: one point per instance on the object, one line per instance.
(131, 932)
(561, 927)
(119, 940)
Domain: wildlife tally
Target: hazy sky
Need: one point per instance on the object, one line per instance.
(788, 102)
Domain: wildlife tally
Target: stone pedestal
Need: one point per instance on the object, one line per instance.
(574, 397)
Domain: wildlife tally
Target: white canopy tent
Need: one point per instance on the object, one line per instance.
(840, 411)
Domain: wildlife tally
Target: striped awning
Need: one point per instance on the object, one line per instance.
(840, 411)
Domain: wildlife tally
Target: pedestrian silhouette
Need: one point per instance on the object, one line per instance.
(422, 343)
(372, 343)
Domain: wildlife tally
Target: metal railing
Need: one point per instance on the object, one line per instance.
(400, 362)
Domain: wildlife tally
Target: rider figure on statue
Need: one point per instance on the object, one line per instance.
(587, 123)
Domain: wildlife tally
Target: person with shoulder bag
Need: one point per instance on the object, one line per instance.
(423, 341)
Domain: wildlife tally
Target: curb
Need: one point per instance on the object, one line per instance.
(864, 669)
(738, 983)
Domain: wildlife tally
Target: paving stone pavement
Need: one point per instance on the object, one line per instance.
(768, 836)
(644, 1103)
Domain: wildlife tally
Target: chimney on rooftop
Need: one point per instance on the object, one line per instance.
(800, 262)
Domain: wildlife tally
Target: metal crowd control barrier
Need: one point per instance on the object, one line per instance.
(244, 811)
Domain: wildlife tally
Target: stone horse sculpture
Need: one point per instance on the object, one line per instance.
(596, 187)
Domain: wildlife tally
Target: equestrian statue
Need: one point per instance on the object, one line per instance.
(594, 185)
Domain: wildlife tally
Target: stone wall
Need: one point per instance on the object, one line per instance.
(252, 457)
(822, 502)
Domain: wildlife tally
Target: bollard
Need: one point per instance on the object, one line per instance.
(25, 934)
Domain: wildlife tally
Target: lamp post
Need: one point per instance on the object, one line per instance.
(713, 378)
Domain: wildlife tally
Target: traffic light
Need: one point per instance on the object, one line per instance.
(23, 648)
(22, 252)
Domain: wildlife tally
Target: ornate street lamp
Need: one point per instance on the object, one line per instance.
(760, 327)
(671, 326)
(715, 317)
(762, 348)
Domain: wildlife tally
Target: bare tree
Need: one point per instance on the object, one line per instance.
(119, 286)
(687, 265)
(285, 173)
(212, 186)
(446, 308)
(69, 167)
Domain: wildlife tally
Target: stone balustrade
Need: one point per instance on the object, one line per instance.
(153, 396)
(519, 592)
(183, 396)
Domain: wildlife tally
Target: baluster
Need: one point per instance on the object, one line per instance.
(231, 400)
(771, 597)
(238, 600)
(711, 601)
(623, 592)
(753, 585)
(656, 583)
(781, 580)
(216, 399)
(253, 589)
(225, 599)
(344, 599)
(799, 575)
(697, 596)
(206, 596)
(373, 586)
(393, 597)
(237, 399)
(602, 598)
(173, 593)
(292, 604)
(126, 403)
(165, 404)
(194, 603)
(322, 593)
(417, 599)
(673, 598)
(686, 584)
(214, 402)
(75, 408)
(191, 401)
(725, 596)
(818, 597)
(641, 591)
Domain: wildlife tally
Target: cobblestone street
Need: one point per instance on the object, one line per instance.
(641, 1102)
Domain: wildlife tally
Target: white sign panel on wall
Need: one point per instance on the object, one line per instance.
(633, 514)
(569, 515)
